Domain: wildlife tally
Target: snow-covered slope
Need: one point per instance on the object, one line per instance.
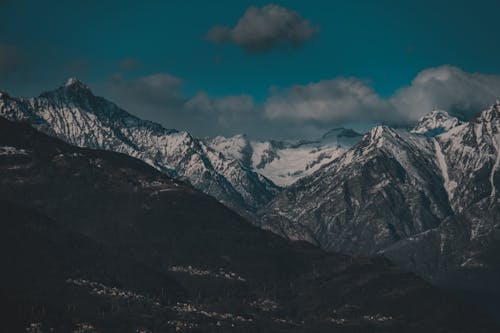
(472, 153)
(74, 114)
(285, 162)
(383, 189)
(463, 250)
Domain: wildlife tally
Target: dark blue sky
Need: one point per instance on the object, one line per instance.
(384, 43)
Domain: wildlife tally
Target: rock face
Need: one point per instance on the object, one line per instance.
(74, 114)
(428, 199)
(463, 250)
(96, 241)
(384, 189)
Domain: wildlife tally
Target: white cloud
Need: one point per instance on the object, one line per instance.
(332, 101)
(228, 112)
(449, 88)
(344, 100)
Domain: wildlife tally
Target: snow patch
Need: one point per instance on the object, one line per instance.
(449, 186)
(495, 141)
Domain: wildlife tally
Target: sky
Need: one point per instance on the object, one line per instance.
(281, 69)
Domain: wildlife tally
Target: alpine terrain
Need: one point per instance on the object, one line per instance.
(97, 241)
(73, 113)
(425, 198)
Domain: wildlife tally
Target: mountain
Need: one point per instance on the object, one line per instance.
(427, 199)
(393, 184)
(284, 162)
(384, 189)
(73, 113)
(463, 250)
(97, 241)
(435, 123)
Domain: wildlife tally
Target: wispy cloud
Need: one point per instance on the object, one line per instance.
(261, 29)
(129, 63)
(330, 101)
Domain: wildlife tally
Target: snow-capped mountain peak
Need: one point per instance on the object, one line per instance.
(378, 132)
(490, 114)
(73, 113)
(73, 81)
(235, 147)
(76, 92)
(435, 123)
(378, 135)
(75, 85)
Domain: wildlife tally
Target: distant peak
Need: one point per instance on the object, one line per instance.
(378, 130)
(333, 132)
(72, 88)
(73, 82)
(436, 112)
(494, 108)
(348, 132)
(340, 132)
(435, 122)
(492, 113)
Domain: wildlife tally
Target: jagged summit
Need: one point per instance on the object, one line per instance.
(71, 81)
(435, 122)
(490, 114)
(71, 89)
(379, 132)
(74, 83)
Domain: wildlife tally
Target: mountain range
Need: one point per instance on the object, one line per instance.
(424, 197)
(73, 113)
(240, 173)
(97, 241)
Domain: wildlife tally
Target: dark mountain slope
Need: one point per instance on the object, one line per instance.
(116, 245)
(40, 255)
